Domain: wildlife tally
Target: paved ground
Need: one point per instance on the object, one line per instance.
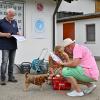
(14, 91)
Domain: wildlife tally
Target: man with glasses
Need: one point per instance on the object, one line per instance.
(8, 45)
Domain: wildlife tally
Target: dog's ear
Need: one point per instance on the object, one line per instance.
(46, 77)
(26, 74)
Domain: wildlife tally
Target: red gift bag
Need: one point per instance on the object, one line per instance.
(59, 83)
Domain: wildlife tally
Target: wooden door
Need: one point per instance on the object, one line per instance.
(97, 5)
(69, 30)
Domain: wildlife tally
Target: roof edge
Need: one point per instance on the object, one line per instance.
(79, 17)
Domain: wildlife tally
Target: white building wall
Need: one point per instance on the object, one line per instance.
(86, 6)
(31, 47)
(59, 34)
(80, 34)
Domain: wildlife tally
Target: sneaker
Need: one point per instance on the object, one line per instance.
(75, 93)
(90, 89)
(3, 83)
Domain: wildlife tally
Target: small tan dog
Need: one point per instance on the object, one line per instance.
(35, 79)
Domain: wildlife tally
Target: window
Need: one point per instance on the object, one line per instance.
(19, 9)
(90, 33)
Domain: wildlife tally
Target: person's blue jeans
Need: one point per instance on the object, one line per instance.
(8, 57)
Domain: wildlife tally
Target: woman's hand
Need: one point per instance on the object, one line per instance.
(61, 64)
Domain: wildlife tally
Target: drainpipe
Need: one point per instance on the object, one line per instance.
(54, 15)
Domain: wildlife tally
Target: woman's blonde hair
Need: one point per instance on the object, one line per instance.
(57, 48)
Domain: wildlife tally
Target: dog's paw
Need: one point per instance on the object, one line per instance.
(41, 88)
(25, 90)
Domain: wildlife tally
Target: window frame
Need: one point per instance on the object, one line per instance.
(88, 40)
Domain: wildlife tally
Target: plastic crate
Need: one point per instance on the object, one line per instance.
(59, 83)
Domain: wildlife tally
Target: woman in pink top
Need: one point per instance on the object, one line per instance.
(82, 69)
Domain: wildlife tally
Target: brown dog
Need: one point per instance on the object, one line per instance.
(35, 79)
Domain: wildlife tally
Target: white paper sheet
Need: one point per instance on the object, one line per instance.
(19, 38)
(55, 57)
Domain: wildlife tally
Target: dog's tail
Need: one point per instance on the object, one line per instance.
(26, 74)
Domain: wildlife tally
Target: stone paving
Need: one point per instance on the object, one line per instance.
(15, 91)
